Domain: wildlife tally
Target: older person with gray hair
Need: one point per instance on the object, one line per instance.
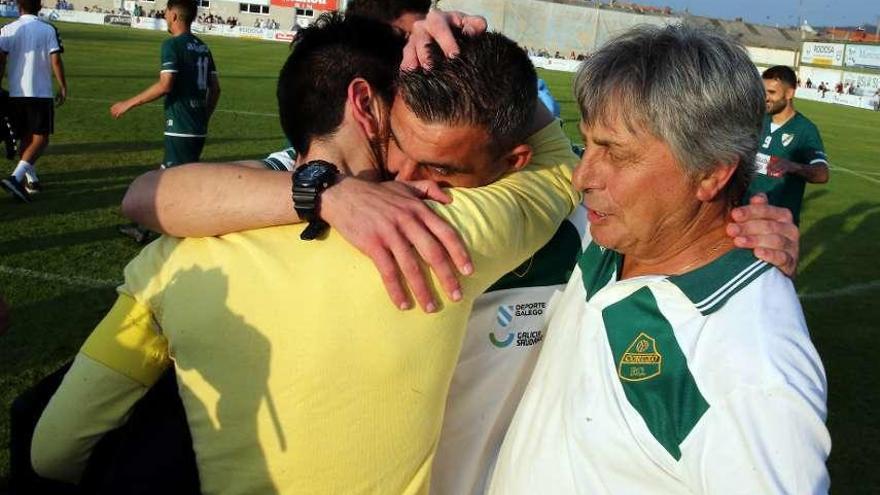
(674, 362)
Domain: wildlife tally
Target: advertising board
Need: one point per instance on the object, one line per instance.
(251, 32)
(863, 56)
(73, 16)
(117, 20)
(822, 53)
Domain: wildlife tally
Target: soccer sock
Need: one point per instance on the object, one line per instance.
(31, 173)
(20, 170)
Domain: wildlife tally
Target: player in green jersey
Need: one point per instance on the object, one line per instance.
(790, 151)
(188, 80)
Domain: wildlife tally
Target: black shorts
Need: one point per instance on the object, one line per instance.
(32, 115)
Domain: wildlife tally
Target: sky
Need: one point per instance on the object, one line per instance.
(781, 12)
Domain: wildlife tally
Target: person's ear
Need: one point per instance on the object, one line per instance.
(367, 107)
(714, 182)
(517, 158)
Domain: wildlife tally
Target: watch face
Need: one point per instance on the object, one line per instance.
(311, 172)
(316, 172)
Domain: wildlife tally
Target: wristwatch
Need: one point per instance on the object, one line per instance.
(309, 181)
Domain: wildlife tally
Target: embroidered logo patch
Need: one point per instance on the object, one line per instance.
(641, 361)
(786, 139)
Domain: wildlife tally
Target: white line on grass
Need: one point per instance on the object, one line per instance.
(843, 291)
(866, 177)
(95, 283)
(221, 110)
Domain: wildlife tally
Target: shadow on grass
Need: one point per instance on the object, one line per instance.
(44, 334)
(135, 146)
(843, 253)
(844, 329)
(63, 194)
(58, 200)
(65, 239)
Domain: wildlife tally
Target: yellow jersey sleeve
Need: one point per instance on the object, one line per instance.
(121, 359)
(504, 223)
(128, 341)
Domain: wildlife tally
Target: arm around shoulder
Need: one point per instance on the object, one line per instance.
(204, 199)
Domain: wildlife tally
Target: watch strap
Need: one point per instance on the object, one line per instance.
(314, 229)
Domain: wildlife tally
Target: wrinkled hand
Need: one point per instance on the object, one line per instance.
(437, 26)
(391, 224)
(118, 109)
(768, 230)
(777, 167)
(61, 97)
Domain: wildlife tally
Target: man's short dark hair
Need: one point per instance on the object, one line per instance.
(29, 6)
(490, 84)
(186, 9)
(781, 73)
(387, 10)
(326, 57)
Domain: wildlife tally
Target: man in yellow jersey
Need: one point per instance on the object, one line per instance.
(295, 373)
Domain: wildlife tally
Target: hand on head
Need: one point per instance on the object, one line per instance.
(437, 26)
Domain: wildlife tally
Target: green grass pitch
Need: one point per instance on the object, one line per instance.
(60, 256)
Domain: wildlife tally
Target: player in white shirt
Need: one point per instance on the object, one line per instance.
(674, 362)
(30, 50)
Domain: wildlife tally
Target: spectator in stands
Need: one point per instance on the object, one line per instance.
(809, 83)
(839, 88)
(557, 54)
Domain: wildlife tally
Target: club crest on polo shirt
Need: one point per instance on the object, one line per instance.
(641, 361)
(787, 139)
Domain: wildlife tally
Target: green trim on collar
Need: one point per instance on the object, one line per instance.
(710, 287)
(598, 265)
(551, 265)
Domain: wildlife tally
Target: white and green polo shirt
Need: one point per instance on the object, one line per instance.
(701, 383)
